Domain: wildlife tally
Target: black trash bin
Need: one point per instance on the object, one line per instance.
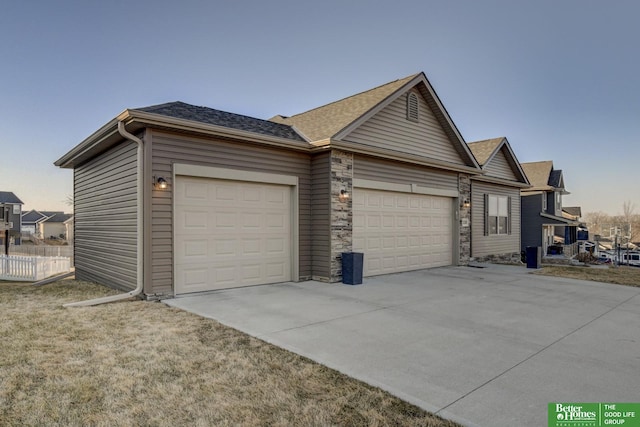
(352, 263)
(534, 256)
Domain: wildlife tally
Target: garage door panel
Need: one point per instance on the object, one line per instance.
(239, 236)
(402, 231)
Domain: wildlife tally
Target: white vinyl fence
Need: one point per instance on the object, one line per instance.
(42, 250)
(32, 268)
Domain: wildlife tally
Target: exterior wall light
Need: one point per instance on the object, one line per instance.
(344, 195)
(160, 183)
(466, 204)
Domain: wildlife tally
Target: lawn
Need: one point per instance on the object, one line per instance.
(143, 363)
(621, 275)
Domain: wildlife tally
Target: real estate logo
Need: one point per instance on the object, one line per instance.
(594, 414)
(575, 414)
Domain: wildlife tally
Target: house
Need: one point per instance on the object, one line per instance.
(10, 210)
(45, 224)
(574, 213)
(495, 201)
(542, 211)
(177, 198)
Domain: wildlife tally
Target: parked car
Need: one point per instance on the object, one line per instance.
(630, 258)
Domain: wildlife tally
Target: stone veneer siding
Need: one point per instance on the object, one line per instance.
(464, 190)
(341, 212)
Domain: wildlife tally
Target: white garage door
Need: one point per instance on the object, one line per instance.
(401, 231)
(230, 234)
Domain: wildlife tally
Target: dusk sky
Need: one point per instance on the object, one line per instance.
(560, 79)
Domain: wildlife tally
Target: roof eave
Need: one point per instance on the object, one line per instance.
(97, 139)
(173, 123)
(559, 219)
(402, 157)
(494, 180)
(108, 135)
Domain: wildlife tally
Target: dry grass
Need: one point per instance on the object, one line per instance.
(621, 275)
(143, 363)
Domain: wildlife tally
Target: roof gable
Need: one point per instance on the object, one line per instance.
(338, 120)
(539, 174)
(498, 160)
(9, 197)
(328, 120)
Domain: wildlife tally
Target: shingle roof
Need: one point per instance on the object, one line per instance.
(326, 121)
(211, 116)
(9, 197)
(58, 217)
(573, 210)
(538, 174)
(482, 150)
(37, 216)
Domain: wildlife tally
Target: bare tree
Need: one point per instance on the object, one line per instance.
(627, 219)
(595, 221)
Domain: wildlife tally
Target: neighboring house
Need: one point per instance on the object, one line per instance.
(45, 224)
(495, 201)
(542, 211)
(30, 220)
(178, 198)
(10, 212)
(573, 213)
(53, 227)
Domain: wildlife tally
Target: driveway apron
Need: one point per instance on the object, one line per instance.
(482, 346)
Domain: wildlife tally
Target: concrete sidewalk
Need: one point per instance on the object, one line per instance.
(483, 346)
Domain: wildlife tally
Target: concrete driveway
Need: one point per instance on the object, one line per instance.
(482, 346)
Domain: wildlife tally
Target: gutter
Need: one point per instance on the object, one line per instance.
(139, 240)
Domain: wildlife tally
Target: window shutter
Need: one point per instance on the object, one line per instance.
(509, 215)
(486, 214)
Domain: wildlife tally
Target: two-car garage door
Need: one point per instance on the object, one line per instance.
(402, 231)
(231, 233)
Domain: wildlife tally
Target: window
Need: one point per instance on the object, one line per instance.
(497, 215)
(558, 203)
(544, 202)
(412, 107)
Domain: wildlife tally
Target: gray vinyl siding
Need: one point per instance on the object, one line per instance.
(105, 208)
(390, 129)
(482, 245)
(372, 168)
(321, 216)
(499, 167)
(531, 221)
(174, 148)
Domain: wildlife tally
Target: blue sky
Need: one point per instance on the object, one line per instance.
(560, 79)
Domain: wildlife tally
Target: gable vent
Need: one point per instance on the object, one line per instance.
(412, 107)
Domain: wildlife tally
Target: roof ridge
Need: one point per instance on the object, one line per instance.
(350, 96)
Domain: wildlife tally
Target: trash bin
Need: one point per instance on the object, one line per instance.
(534, 256)
(352, 263)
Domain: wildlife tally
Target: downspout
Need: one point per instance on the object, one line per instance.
(140, 235)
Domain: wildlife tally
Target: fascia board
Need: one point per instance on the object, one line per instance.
(506, 182)
(131, 117)
(158, 120)
(94, 140)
